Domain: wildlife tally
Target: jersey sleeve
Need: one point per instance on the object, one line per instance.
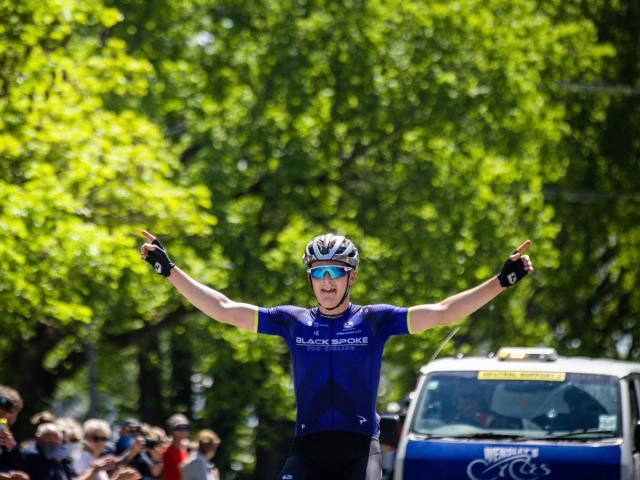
(273, 321)
(391, 320)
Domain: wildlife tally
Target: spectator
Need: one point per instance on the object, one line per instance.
(191, 446)
(129, 431)
(50, 459)
(95, 435)
(161, 434)
(41, 417)
(175, 453)
(10, 458)
(199, 465)
(145, 454)
(36, 420)
(71, 435)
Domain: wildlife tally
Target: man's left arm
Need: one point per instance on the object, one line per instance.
(463, 304)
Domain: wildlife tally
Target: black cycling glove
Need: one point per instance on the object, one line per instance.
(512, 272)
(159, 260)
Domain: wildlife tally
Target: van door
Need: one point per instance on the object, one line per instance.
(634, 390)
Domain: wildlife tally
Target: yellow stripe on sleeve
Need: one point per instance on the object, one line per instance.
(409, 320)
(255, 321)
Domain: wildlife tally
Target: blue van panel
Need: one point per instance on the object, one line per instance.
(473, 460)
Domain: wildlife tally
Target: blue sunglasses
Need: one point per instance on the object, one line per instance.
(334, 271)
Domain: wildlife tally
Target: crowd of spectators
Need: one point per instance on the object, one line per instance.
(62, 449)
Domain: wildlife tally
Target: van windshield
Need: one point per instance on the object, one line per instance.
(530, 405)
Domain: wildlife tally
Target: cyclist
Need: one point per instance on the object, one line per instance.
(336, 349)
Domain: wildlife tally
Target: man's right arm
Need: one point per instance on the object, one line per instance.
(207, 300)
(213, 303)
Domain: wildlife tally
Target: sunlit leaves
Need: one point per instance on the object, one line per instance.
(79, 180)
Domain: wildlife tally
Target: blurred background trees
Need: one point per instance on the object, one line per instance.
(437, 135)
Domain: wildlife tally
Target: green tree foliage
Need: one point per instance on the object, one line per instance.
(426, 131)
(591, 300)
(78, 180)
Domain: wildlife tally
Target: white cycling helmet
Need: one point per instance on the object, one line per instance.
(331, 247)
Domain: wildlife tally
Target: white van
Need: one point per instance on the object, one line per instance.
(525, 414)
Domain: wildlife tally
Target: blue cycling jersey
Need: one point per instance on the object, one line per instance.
(336, 362)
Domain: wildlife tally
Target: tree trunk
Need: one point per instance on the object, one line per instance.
(181, 370)
(150, 408)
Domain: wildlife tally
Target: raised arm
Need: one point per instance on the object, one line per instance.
(206, 299)
(459, 306)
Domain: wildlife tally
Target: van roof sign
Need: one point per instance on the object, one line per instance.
(506, 354)
(528, 375)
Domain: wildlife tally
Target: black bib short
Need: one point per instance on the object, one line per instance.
(335, 456)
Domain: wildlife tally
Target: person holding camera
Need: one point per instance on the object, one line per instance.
(10, 457)
(145, 454)
(96, 435)
(129, 431)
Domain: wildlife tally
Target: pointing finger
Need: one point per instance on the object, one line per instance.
(148, 236)
(523, 247)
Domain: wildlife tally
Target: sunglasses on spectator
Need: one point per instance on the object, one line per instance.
(96, 438)
(182, 428)
(6, 404)
(334, 271)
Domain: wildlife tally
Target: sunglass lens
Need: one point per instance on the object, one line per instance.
(333, 271)
(5, 403)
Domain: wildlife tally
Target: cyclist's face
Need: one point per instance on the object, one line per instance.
(329, 291)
